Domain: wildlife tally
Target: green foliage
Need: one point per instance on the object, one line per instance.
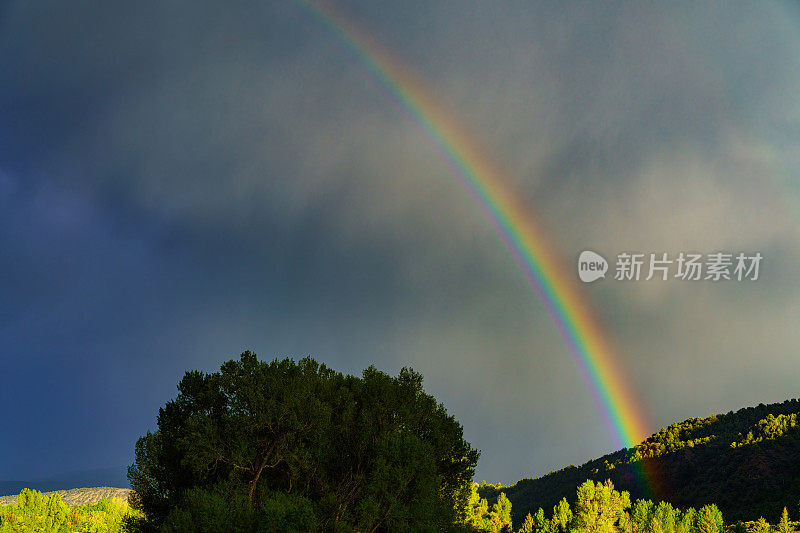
(562, 516)
(35, 512)
(502, 511)
(368, 453)
(539, 521)
(739, 527)
(224, 508)
(771, 427)
(479, 517)
(599, 508)
(783, 523)
(709, 520)
(475, 507)
(687, 521)
(666, 517)
(212, 509)
(528, 526)
(762, 526)
(641, 515)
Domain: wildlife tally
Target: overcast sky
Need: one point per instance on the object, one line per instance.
(183, 181)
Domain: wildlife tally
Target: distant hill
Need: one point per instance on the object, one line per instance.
(747, 462)
(96, 477)
(73, 497)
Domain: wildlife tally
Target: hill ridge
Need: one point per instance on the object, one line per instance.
(747, 462)
(79, 496)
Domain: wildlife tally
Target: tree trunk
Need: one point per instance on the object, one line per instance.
(261, 469)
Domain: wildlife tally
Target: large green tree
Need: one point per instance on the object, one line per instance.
(369, 453)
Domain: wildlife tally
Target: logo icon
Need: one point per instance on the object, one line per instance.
(591, 266)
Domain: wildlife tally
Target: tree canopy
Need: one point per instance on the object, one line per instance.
(285, 445)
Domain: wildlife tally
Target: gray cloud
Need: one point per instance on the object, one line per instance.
(234, 176)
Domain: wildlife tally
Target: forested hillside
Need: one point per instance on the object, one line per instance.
(746, 462)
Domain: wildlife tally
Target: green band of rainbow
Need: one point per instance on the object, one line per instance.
(521, 233)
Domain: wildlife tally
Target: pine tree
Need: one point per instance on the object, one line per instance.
(528, 525)
(472, 506)
(665, 516)
(540, 522)
(563, 514)
(640, 515)
(503, 511)
(709, 520)
(783, 525)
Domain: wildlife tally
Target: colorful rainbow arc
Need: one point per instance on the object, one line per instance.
(514, 223)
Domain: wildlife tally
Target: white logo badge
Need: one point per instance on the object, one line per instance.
(591, 266)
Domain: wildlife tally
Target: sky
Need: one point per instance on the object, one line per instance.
(183, 181)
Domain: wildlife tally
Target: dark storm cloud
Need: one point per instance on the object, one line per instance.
(181, 182)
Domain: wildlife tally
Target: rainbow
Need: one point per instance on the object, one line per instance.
(554, 283)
